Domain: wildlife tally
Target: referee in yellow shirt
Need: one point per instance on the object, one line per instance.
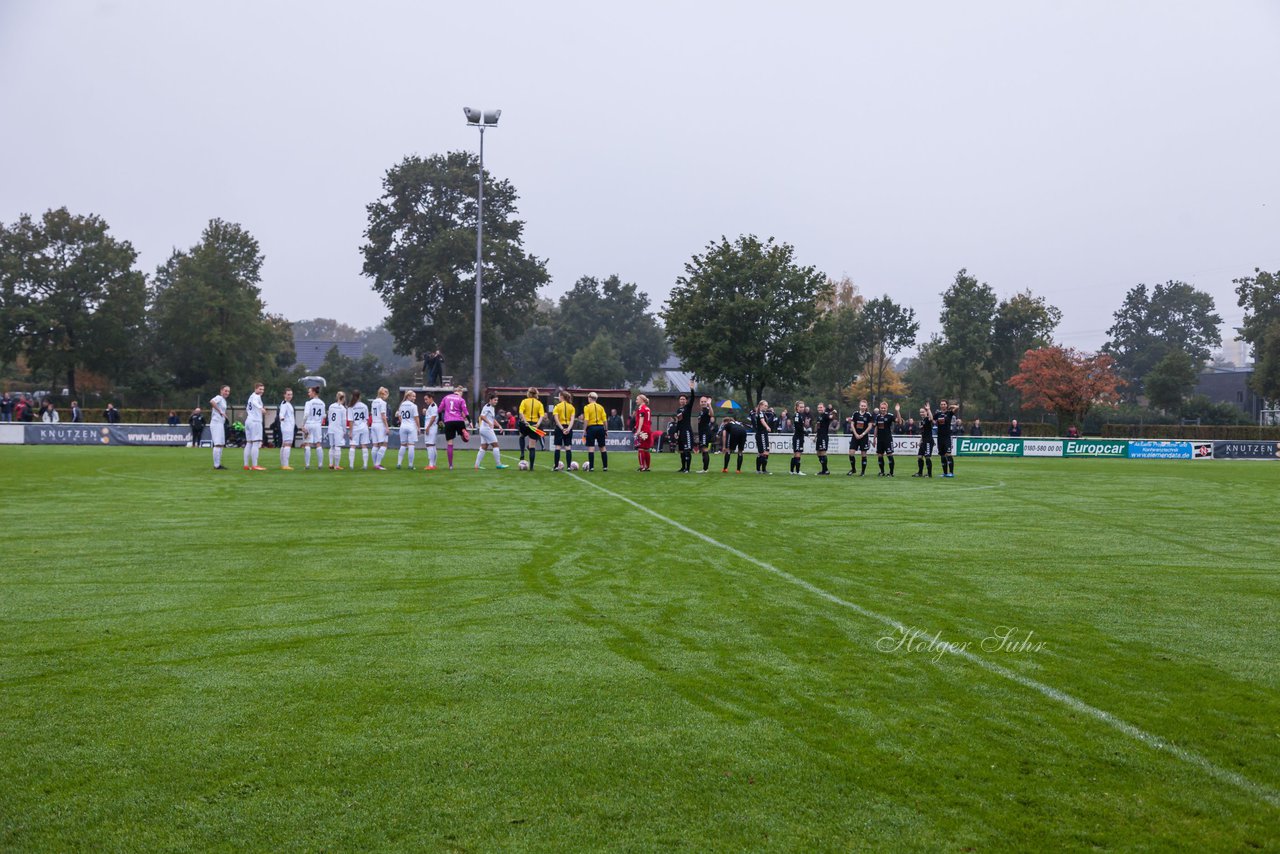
(529, 416)
(563, 413)
(594, 418)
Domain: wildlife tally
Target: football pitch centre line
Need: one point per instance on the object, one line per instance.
(1263, 793)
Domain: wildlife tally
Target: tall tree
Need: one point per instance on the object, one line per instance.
(210, 323)
(1171, 380)
(967, 309)
(1150, 324)
(324, 329)
(421, 257)
(69, 296)
(598, 364)
(1259, 296)
(620, 312)
(742, 315)
(1022, 322)
(889, 328)
(843, 347)
(1066, 382)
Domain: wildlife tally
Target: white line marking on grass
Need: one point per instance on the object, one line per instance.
(1258, 790)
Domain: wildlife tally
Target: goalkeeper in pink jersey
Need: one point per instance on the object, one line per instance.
(453, 414)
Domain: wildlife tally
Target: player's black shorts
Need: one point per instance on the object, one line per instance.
(762, 443)
(684, 440)
(453, 429)
(735, 443)
(527, 430)
(704, 437)
(944, 446)
(821, 443)
(926, 447)
(595, 435)
(797, 444)
(884, 444)
(563, 438)
(860, 444)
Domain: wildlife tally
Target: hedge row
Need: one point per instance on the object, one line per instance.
(1191, 431)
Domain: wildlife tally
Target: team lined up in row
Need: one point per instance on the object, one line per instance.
(732, 435)
(367, 428)
(357, 426)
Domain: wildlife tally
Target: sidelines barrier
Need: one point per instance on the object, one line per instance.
(622, 441)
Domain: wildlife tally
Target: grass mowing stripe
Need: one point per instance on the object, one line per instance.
(1263, 793)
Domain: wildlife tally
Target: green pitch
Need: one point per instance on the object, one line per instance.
(462, 661)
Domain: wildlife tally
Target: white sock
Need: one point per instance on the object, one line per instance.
(364, 452)
(246, 453)
(411, 456)
(431, 450)
(335, 456)
(351, 457)
(217, 456)
(306, 453)
(497, 453)
(400, 457)
(254, 455)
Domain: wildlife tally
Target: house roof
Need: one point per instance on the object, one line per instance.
(311, 353)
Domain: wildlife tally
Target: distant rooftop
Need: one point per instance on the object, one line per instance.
(311, 353)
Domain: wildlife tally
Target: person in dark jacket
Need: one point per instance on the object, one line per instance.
(197, 427)
(111, 414)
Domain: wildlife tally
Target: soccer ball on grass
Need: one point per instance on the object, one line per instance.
(573, 466)
(524, 465)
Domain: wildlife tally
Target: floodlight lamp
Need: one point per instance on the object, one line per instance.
(491, 116)
(473, 115)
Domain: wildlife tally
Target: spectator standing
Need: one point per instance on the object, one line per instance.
(1014, 429)
(434, 367)
(173, 418)
(49, 414)
(22, 410)
(615, 420)
(976, 429)
(197, 427)
(1072, 432)
(111, 414)
(77, 416)
(6, 407)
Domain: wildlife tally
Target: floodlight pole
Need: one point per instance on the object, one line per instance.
(479, 119)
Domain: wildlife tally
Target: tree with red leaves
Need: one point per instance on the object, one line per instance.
(1065, 381)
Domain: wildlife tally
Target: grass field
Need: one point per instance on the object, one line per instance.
(463, 661)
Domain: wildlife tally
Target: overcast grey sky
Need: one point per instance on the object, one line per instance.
(1076, 149)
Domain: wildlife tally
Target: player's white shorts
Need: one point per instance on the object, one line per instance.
(314, 433)
(336, 438)
(253, 431)
(408, 436)
(218, 434)
(431, 436)
(359, 436)
(288, 432)
(487, 436)
(379, 433)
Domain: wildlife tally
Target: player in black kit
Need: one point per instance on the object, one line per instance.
(706, 431)
(822, 427)
(763, 427)
(684, 433)
(860, 440)
(924, 456)
(884, 421)
(800, 421)
(733, 439)
(943, 418)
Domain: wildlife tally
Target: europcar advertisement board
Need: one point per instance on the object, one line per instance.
(1042, 447)
(1143, 449)
(1246, 450)
(1095, 448)
(974, 446)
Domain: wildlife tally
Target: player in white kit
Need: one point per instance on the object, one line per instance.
(337, 431)
(378, 427)
(430, 427)
(313, 427)
(408, 413)
(218, 424)
(488, 430)
(284, 414)
(253, 429)
(358, 420)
